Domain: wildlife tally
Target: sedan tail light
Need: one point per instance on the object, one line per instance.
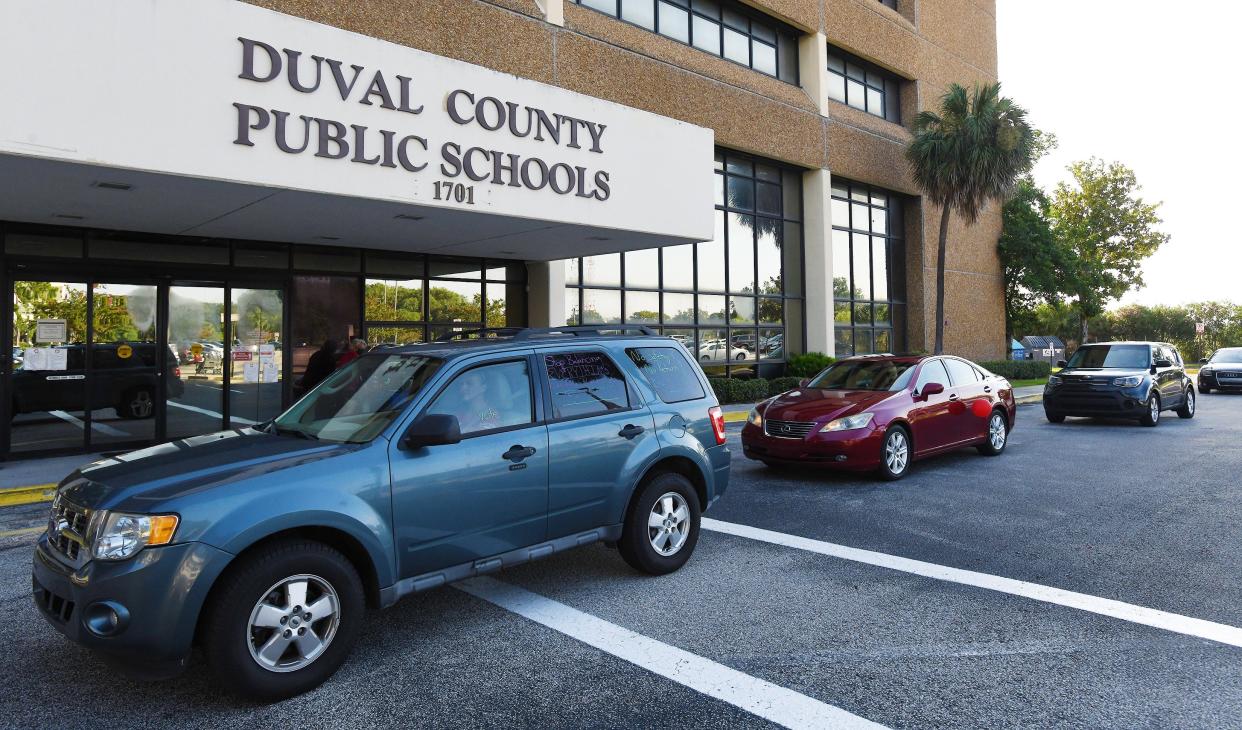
(718, 424)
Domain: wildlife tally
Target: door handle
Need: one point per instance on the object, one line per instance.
(987, 389)
(517, 453)
(630, 431)
(953, 397)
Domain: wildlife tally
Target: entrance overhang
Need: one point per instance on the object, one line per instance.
(228, 120)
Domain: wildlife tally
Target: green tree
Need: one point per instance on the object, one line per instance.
(1032, 259)
(971, 150)
(1109, 231)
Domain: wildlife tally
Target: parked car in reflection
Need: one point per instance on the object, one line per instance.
(881, 413)
(128, 384)
(1221, 371)
(721, 351)
(1137, 380)
(773, 347)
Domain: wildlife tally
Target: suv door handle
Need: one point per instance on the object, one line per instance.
(517, 453)
(630, 431)
(987, 389)
(953, 397)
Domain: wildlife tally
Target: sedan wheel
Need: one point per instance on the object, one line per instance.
(998, 435)
(1152, 416)
(895, 454)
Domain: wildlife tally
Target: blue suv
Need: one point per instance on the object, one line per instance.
(410, 468)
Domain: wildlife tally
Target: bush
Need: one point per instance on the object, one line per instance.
(776, 386)
(736, 390)
(1019, 369)
(807, 365)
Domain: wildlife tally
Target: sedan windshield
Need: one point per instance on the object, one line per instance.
(865, 375)
(354, 404)
(1131, 357)
(1231, 354)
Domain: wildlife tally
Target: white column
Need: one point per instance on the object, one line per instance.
(813, 68)
(817, 256)
(545, 293)
(553, 11)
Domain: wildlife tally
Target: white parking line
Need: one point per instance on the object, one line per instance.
(756, 696)
(1211, 630)
(205, 412)
(95, 426)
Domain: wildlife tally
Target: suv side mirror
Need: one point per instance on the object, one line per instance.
(1163, 363)
(1203, 360)
(929, 390)
(1062, 364)
(434, 429)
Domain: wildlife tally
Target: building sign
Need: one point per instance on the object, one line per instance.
(233, 93)
(50, 330)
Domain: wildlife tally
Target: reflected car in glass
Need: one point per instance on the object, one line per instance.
(122, 376)
(1222, 371)
(1131, 380)
(881, 413)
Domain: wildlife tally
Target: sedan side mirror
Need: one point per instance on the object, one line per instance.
(434, 429)
(929, 390)
(804, 382)
(1203, 360)
(1062, 364)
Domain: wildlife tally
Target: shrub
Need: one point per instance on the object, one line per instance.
(776, 386)
(737, 390)
(1019, 369)
(808, 364)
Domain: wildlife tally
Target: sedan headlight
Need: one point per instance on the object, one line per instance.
(849, 423)
(122, 535)
(1132, 381)
(754, 418)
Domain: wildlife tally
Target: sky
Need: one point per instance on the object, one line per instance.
(1151, 84)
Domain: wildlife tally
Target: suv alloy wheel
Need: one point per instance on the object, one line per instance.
(662, 526)
(1152, 416)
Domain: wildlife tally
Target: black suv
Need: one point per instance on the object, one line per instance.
(1121, 380)
(1221, 371)
(122, 376)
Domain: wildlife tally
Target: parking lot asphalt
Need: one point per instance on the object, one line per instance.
(1109, 510)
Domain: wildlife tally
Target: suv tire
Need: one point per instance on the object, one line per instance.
(1188, 407)
(997, 437)
(895, 465)
(1053, 417)
(255, 593)
(1151, 415)
(667, 510)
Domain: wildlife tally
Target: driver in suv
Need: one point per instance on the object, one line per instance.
(1136, 380)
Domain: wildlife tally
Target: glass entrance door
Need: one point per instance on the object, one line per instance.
(124, 357)
(47, 387)
(195, 404)
(256, 318)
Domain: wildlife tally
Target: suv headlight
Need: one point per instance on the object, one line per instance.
(1132, 381)
(122, 535)
(1054, 380)
(1206, 370)
(754, 418)
(849, 423)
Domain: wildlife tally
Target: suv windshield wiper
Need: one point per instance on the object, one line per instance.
(293, 432)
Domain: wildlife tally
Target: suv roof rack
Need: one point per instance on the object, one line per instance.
(525, 333)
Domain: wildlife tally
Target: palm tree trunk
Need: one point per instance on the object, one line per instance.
(940, 255)
(1084, 330)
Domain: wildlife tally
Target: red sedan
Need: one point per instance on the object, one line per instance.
(881, 412)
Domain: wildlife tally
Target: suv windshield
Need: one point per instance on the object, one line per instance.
(1232, 354)
(865, 375)
(355, 403)
(1133, 357)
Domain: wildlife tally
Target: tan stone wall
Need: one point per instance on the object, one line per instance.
(930, 42)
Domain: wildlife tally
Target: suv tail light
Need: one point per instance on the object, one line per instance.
(717, 416)
(177, 372)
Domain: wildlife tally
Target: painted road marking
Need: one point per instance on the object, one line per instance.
(22, 531)
(100, 427)
(756, 696)
(205, 412)
(27, 495)
(1201, 628)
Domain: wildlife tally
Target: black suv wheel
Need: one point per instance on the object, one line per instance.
(1151, 416)
(662, 526)
(283, 620)
(1188, 405)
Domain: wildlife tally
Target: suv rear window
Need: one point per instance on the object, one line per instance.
(669, 373)
(585, 384)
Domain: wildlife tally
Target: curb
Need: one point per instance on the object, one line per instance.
(32, 494)
(736, 416)
(1029, 399)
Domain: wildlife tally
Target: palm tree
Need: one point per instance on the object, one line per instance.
(972, 150)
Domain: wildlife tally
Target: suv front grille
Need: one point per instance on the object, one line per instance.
(67, 527)
(788, 429)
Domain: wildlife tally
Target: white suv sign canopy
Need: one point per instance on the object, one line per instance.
(279, 106)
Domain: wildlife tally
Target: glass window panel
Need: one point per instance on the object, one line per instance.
(741, 166)
(854, 95)
(572, 295)
(878, 198)
(840, 264)
(768, 198)
(683, 337)
(712, 259)
(639, 12)
(787, 58)
(764, 57)
(196, 335)
(768, 257)
(707, 7)
(881, 312)
(883, 341)
(571, 271)
(706, 35)
(858, 192)
(744, 340)
(792, 189)
(718, 183)
(678, 308)
(860, 219)
(21, 244)
(741, 193)
(736, 46)
(122, 382)
(767, 172)
(771, 310)
(496, 314)
(601, 306)
(854, 71)
(602, 270)
(711, 309)
(713, 347)
(875, 79)
(879, 220)
(842, 313)
(862, 266)
(875, 102)
(202, 252)
(642, 307)
(322, 308)
(762, 32)
(835, 63)
(879, 267)
(497, 273)
(771, 344)
(679, 266)
(455, 301)
(840, 213)
(862, 315)
(387, 300)
(840, 189)
(642, 269)
(844, 342)
(741, 310)
(741, 252)
(393, 266)
(836, 87)
(257, 316)
(604, 6)
(734, 19)
(674, 22)
(261, 256)
(791, 253)
(467, 269)
(377, 336)
(862, 342)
